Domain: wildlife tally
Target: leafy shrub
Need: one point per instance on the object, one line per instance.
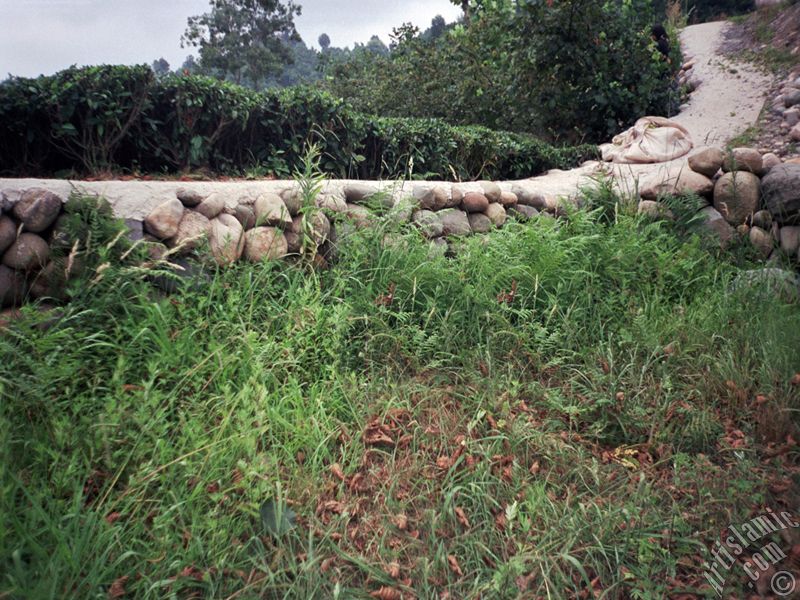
(99, 118)
(566, 69)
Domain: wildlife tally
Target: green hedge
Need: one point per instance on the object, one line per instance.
(117, 118)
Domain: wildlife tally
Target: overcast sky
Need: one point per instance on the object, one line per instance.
(44, 36)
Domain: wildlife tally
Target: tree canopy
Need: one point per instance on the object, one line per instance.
(244, 40)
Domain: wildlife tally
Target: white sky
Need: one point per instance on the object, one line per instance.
(44, 36)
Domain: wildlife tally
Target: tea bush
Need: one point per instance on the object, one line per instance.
(85, 120)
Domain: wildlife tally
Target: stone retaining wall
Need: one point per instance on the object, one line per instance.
(249, 221)
(748, 195)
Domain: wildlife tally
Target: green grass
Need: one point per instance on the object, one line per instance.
(547, 413)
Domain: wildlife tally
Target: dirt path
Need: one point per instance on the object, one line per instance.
(727, 102)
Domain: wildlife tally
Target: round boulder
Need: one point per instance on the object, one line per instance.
(212, 206)
(12, 287)
(781, 189)
(28, 252)
(192, 230)
(707, 161)
(455, 222)
(226, 239)
(762, 241)
(530, 198)
(491, 190)
(523, 212)
(188, 197)
(743, 159)
(737, 196)
(479, 223)
(431, 198)
(271, 210)
(429, 224)
(475, 202)
(790, 240)
(265, 243)
(497, 214)
(355, 193)
(37, 209)
(8, 233)
(245, 215)
(508, 199)
(163, 221)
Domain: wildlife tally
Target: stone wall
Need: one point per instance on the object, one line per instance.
(749, 195)
(243, 221)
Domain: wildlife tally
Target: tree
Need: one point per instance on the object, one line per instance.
(160, 67)
(324, 41)
(376, 46)
(241, 39)
(189, 66)
(438, 25)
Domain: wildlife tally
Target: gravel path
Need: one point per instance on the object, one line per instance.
(728, 101)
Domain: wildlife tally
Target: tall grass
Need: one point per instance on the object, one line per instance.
(555, 403)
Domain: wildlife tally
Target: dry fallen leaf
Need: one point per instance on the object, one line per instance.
(454, 566)
(400, 521)
(462, 517)
(393, 570)
(377, 434)
(113, 517)
(117, 589)
(387, 593)
(326, 565)
(337, 471)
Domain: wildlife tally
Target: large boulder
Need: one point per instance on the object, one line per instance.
(163, 221)
(781, 192)
(523, 212)
(455, 222)
(790, 240)
(431, 198)
(474, 202)
(37, 209)
(677, 180)
(189, 197)
(737, 196)
(769, 283)
(226, 239)
(314, 224)
(491, 190)
(716, 225)
(212, 206)
(358, 215)
(761, 241)
(508, 199)
(27, 253)
(192, 230)
(293, 199)
(356, 193)
(265, 243)
(743, 159)
(12, 287)
(479, 222)
(8, 232)
(429, 224)
(530, 198)
(706, 161)
(497, 214)
(272, 211)
(245, 215)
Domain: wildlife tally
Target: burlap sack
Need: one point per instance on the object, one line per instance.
(650, 140)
